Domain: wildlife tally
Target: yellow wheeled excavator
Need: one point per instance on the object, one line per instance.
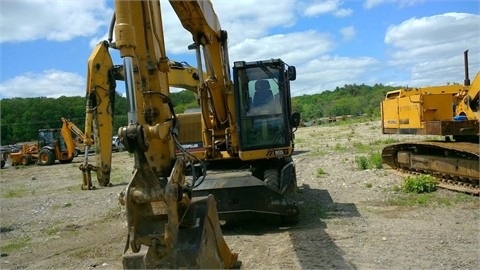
(171, 205)
(245, 126)
(451, 111)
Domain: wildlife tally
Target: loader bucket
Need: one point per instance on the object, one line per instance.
(199, 245)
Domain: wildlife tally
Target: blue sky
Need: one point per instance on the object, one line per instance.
(44, 44)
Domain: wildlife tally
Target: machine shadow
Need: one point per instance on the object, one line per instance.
(299, 152)
(315, 249)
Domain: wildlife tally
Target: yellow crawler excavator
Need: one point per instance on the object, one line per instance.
(451, 111)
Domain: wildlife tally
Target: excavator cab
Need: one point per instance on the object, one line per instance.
(264, 111)
(260, 181)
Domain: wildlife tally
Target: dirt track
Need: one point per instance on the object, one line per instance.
(350, 219)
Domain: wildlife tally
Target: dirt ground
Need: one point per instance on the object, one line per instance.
(350, 218)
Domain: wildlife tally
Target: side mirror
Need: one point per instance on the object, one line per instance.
(295, 120)
(292, 73)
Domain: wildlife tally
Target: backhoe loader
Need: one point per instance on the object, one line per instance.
(52, 145)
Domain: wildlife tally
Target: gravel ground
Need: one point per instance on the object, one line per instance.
(350, 218)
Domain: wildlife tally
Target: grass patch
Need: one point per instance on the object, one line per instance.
(362, 162)
(15, 193)
(429, 199)
(83, 253)
(384, 141)
(339, 147)
(317, 153)
(368, 185)
(52, 231)
(113, 213)
(373, 161)
(361, 147)
(432, 199)
(419, 184)
(74, 188)
(315, 211)
(321, 173)
(16, 244)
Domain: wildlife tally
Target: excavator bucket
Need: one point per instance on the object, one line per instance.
(199, 244)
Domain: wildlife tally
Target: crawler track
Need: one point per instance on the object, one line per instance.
(454, 164)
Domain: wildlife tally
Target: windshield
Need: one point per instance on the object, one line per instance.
(260, 92)
(261, 117)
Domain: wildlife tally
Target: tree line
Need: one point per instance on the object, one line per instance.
(351, 99)
(21, 118)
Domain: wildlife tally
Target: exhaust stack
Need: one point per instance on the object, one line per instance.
(466, 82)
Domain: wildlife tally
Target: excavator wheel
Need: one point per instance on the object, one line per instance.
(26, 160)
(4, 159)
(65, 161)
(272, 178)
(46, 157)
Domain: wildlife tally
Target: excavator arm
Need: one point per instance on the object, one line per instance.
(102, 76)
(100, 93)
(199, 18)
(215, 87)
(67, 137)
(468, 100)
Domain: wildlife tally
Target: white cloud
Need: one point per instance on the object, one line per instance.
(420, 51)
(294, 48)
(348, 33)
(429, 50)
(343, 12)
(57, 20)
(50, 83)
(321, 7)
(328, 72)
(369, 4)
(242, 19)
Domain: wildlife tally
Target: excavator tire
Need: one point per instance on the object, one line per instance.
(65, 161)
(3, 160)
(46, 157)
(272, 178)
(26, 160)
